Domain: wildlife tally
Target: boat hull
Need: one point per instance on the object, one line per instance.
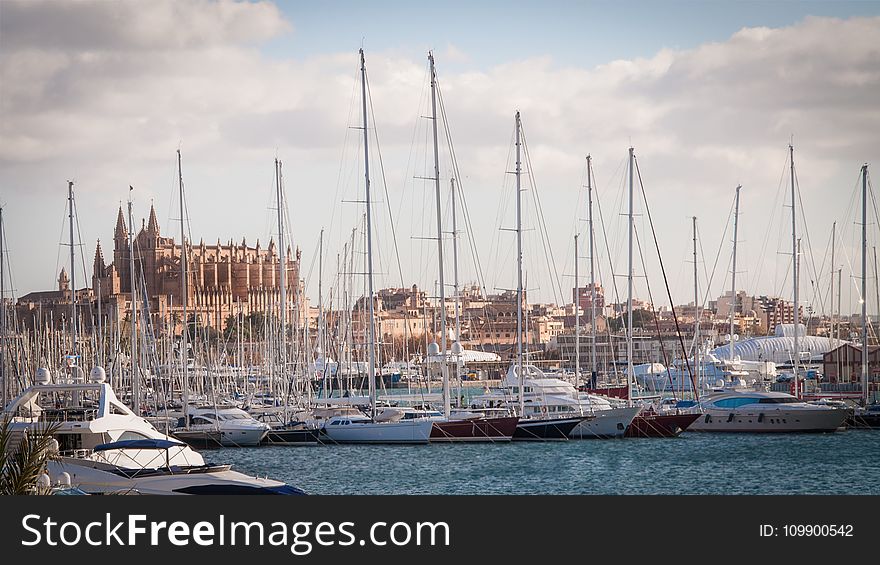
(660, 425)
(605, 424)
(477, 430)
(407, 432)
(213, 438)
(96, 478)
(283, 436)
(770, 421)
(863, 421)
(553, 429)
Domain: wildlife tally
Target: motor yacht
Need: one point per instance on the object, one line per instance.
(106, 448)
(766, 412)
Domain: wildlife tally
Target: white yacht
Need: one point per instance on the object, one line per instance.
(769, 412)
(354, 428)
(103, 447)
(546, 397)
(220, 427)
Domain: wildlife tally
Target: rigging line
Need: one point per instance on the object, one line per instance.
(607, 248)
(654, 310)
(548, 248)
(91, 307)
(343, 157)
(384, 184)
(770, 223)
(806, 231)
(665, 280)
(610, 260)
(709, 279)
(478, 266)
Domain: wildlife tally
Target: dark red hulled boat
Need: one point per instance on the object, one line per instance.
(475, 430)
(652, 424)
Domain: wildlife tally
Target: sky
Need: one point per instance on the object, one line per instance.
(709, 94)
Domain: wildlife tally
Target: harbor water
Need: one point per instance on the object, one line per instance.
(694, 463)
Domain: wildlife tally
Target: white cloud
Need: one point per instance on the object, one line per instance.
(106, 91)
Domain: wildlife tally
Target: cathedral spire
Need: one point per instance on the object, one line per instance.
(99, 266)
(121, 232)
(153, 225)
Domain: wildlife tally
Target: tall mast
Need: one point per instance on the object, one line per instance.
(444, 367)
(733, 272)
(73, 332)
(593, 367)
(794, 270)
(371, 346)
(282, 280)
(135, 385)
(831, 294)
(629, 289)
(321, 303)
(184, 288)
(698, 312)
(519, 280)
(864, 282)
(455, 284)
(3, 373)
(577, 317)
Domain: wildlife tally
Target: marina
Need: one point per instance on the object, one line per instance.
(277, 326)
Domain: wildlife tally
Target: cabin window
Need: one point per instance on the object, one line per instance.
(131, 435)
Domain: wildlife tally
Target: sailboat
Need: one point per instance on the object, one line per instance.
(465, 426)
(353, 428)
(866, 416)
(608, 418)
(283, 431)
(531, 426)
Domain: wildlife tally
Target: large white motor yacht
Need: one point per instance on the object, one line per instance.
(105, 448)
(547, 397)
(758, 411)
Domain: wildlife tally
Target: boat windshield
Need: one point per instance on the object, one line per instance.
(781, 400)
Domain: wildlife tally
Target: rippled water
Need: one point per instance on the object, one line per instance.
(841, 463)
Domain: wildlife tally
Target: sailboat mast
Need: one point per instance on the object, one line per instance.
(282, 280)
(184, 357)
(519, 280)
(3, 373)
(865, 283)
(831, 293)
(73, 332)
(455, 283)
(698, 312)
(321, 303)
(733, 272)
(444, 367)
(629, 289)
(135, 385)
(577, 317)
(593, 367)
(371, 346)
(794, 270)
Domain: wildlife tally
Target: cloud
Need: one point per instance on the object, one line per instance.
(106, 91)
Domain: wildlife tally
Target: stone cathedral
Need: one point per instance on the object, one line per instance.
(223, 279)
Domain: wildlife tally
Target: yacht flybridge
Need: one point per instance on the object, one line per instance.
(106, 448)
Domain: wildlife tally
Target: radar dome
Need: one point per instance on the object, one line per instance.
(98, 375)
(44, 482)
(64, 479)
(433, 349)
(456, 348)
(43, 376)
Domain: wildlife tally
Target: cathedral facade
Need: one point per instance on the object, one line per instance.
(223, 280)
